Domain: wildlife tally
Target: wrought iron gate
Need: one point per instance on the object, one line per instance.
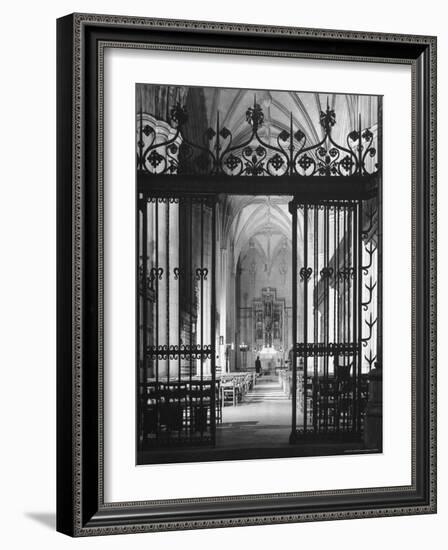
(336, 295)
(178, 393)
(336, 299)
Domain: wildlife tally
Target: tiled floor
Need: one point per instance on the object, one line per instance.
(262, 419)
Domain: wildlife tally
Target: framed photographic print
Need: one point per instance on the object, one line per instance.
(246, 274)
(255, 236)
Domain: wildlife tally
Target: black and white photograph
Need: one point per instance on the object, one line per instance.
(258, 269)
(220, 266)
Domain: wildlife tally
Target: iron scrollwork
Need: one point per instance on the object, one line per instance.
(178, 272)
(148, 281)
(321, 349)
(305, 273)
(288, 153)
(184, 351)
(368, 301)
(346, 273)
(326, 272)
(201, 273)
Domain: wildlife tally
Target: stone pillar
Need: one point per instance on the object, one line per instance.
(231, 307)
(223, 290)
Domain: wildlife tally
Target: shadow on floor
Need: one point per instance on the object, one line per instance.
(47, 519)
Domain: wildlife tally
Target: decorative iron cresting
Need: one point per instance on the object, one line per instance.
(291, 155)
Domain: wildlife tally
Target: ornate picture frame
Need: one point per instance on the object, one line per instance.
(82, 509)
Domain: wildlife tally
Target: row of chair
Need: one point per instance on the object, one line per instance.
(235, 385)
(329, 399)
(174, 406)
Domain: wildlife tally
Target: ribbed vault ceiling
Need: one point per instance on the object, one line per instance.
(278, 106)
(264, 222)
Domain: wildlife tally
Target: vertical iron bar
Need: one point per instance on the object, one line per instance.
(379, 270)
(337, 311)
(344, 279)
(360, 146)
(202, 320)
(350, 316)
(140, 139)
(335, 323)
(349, 272)
(293, 211)
(291, 146)
(344, 303)
(157, 316)
(316, 384)
(305, 318)
(326, 311)
(358, 340)
(143, 303)
(191, 304)
(213, 327)
(354, 312)
(379, 263)
(167, 292)
(181, 273)
(335, 275)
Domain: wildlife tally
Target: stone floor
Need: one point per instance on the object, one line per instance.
(258, 427)
(262, 419)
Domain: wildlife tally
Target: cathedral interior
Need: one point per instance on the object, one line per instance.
(258, 273)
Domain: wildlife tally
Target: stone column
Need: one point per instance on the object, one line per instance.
(223, 290)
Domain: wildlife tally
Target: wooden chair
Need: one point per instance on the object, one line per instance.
(229, 392)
